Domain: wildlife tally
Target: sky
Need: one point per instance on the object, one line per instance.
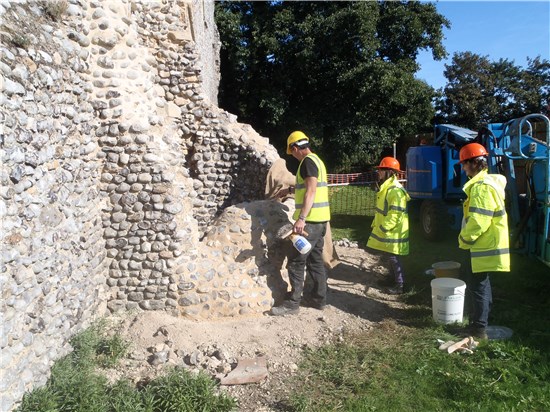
(512, 30)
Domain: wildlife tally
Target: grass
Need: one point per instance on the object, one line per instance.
(404, 371)
(55, 9)
(20, 40)
(77, 384)
(398, 367)
(355, 228)
(352, 211)
(353, 200)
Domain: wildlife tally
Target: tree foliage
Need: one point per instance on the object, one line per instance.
(533, 95)
(343, 72)
(480, 91)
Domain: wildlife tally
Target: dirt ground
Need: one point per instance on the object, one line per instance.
(356, 303)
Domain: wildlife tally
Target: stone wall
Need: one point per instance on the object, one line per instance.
(116, 163)
(207, 43)
(54, 265)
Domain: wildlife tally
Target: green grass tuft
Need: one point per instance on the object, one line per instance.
(20, 40)
(179, 391)
(76, 386)
(55, 9)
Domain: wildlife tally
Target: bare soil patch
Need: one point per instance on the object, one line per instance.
(356, 305)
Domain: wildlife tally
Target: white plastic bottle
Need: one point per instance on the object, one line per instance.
(300, 243)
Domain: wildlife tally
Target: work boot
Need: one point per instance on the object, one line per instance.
(284, 310)
(396, 290)
(478, 332)
(312, 303)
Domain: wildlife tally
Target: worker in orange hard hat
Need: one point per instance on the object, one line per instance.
(389, 163)
(312, 215)
(390, 227)
(484, 233)
(471, 151)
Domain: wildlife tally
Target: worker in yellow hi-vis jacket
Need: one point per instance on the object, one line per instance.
(390, 227)
(484, 233)
(312, 215)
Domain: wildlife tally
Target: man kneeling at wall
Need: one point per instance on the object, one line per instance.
(312, 214)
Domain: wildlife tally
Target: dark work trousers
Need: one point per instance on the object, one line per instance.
(479, 296)
(397, 268)
(312, 262)
(395, 265)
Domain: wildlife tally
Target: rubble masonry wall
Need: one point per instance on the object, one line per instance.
(116, 162)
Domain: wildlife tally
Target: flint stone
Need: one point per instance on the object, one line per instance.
(247, 371)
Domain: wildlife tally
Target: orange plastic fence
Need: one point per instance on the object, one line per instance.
(351, 178)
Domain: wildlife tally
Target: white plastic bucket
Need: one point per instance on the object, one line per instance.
(448, 299)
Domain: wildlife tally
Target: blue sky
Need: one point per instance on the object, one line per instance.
(512, 30)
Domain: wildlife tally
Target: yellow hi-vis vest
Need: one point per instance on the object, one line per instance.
(485, 223)
(320, 211)
(390, 227)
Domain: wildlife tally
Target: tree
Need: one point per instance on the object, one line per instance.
(533, 95)
(468, 96)
(480, 91)
(343, 72)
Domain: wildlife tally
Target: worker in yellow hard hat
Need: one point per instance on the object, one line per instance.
(294, 138)
(484, 234)
(311, 215)
(390, 227)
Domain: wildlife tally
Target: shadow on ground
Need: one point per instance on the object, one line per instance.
(356, 287)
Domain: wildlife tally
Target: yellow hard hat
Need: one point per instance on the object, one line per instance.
(293, 138)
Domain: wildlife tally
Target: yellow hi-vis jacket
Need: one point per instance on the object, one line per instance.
(390, 227)
(485, 223)
(320, 211)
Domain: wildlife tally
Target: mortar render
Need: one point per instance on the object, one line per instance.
(117, 170)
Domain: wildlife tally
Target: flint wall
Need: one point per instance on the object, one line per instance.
(115, 163)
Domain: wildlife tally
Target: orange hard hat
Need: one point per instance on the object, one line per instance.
(471, 151)
(389, 163)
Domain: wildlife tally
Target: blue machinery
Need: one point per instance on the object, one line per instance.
(518, 149)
